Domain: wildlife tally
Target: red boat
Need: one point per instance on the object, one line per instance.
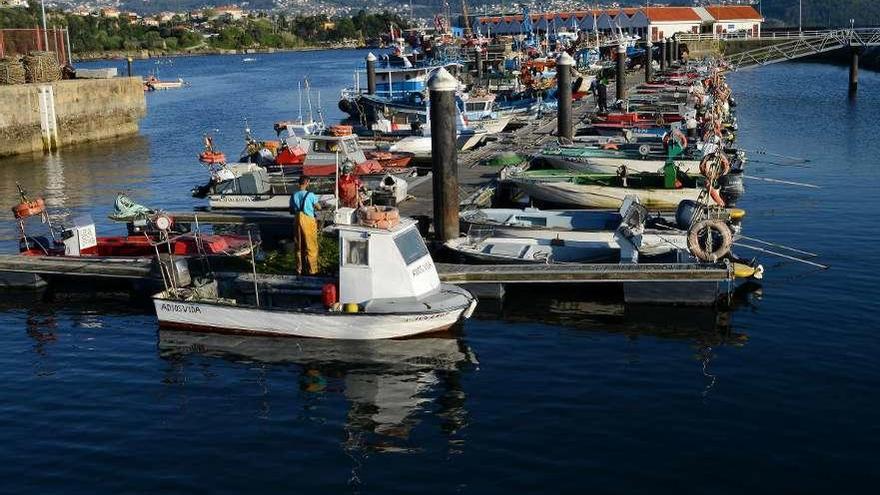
(143, 234)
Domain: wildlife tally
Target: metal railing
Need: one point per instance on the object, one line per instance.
(23, 41)
(803, 46)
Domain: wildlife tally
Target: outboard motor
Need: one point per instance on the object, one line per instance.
(731, 186)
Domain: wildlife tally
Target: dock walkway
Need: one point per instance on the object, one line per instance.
(473, 176)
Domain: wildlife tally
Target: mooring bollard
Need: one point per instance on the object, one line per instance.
(371, 74)
(478, 54)
(649, 59)
(854, 70)
(662, 55)
(444, 154)
(129, 59)
(621, 73)
(563, 93)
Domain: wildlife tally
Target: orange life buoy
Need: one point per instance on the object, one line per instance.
(710, 160)
(29, 208)
(212, 157)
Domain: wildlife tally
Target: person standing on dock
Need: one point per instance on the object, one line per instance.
(349, 187)
(303, 204)
(602, 95)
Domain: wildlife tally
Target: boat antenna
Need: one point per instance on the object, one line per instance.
(309, 99)
(336, 186)
(300, 92)
(254, 269)
(320, 110)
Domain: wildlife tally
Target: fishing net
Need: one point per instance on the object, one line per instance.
(11, 71)
(41, 67)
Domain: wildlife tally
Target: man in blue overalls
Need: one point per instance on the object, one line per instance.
(303, 204)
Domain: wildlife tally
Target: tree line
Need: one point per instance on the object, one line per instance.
(95, 34)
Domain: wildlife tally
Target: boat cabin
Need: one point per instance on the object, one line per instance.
(321, 154)
(383, 264)
(479, 107)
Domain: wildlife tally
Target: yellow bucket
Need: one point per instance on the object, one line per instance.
(350, 308)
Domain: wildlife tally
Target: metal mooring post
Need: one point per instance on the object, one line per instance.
(444, 154)
(563, 88)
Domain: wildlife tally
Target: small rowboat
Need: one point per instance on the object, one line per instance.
(604, 190)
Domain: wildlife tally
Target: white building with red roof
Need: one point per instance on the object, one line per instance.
(730, 19)
(658, 22)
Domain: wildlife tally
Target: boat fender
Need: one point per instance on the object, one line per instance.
(714, 229)
(709, 171)
(736, 214)
(329, 295)
(742, 270)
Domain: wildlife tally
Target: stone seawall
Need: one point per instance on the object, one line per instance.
(85, 110)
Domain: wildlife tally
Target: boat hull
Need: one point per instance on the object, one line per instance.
(249, 201)
(225, 318)
(593, 196)
(610, 165)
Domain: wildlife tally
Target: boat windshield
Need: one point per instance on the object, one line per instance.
(411, 246)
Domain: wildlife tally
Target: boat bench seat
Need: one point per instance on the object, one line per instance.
(515, 250)
(438, 300)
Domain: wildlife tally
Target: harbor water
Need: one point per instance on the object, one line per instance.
(551, 392)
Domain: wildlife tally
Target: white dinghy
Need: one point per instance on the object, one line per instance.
(387, 285)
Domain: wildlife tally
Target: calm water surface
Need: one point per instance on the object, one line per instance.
(553, 393)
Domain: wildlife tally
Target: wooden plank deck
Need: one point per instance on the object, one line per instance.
(125, 268)
(583, 272)
(472, 175)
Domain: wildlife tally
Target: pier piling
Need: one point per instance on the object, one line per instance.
(129, 59)
(675, 56)
(444, 154)
(371, 74)
(649, 59)
(621, 73)
(854, 70)
(563, 85)
(669, 56)
(662, 55)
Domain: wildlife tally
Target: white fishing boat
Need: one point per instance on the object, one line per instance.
(420, 146)
(534, 236)
(609, 161)
(245, 186)
(595, 196)
(388, 287)
(604, 190)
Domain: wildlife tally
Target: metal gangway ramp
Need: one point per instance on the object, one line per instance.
(803, 45)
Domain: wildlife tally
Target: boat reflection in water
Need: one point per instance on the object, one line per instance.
(389, 384)
(596, 310)
(705, 328)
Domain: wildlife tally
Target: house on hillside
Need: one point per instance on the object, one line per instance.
(734, 19)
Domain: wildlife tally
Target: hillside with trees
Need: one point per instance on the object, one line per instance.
(96, 34)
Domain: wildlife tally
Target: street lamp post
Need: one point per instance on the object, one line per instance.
(801, 16)
(45, 34)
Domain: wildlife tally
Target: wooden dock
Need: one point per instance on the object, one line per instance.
(583, 273)
(473, 175)
(96, 268)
